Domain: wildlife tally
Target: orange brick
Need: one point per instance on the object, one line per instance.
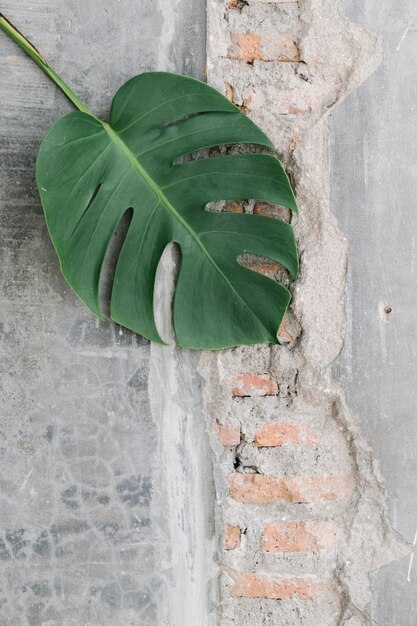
(250, 585)
(245, 47)
(236, 4)
(232, 538)
(229, 92)
(261, 489)
(273, 210)
(233, 207)
(282, 433)
(253, 385)
(267, 268)
(297, 537)
(243, 105)
(228, 434)
(252, 47)
(284, 334)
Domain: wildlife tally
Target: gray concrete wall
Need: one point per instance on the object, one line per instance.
(108, 446)
(98, 495)
(374, 181)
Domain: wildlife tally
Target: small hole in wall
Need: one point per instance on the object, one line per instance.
(384, 310)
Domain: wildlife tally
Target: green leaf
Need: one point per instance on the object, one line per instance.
(89, 173)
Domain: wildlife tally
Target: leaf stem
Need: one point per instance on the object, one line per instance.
(36, 56)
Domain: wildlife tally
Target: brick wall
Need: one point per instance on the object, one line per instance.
(300, 501)
(290, 484)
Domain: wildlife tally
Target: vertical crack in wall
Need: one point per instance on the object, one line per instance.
(289, 452)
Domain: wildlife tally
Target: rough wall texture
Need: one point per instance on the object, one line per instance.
(97, 522)
(107, 501)
(303, 517)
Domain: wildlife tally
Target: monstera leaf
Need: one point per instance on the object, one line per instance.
(89, 173)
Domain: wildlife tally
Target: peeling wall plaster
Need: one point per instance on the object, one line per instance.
(83, 463)
(337, 56)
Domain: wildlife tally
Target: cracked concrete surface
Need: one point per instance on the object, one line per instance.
(85, 535)
(108, 511)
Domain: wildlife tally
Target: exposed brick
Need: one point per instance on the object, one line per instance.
(287, 332)
(233, 207)
(232, 538)
(253, 385)
(261, 489)
(242, 105)
(274, 210)
(229, 92)
(250, 585)
(282, 433)
(250, 47)
(297, 537)
(245, 47)
(228, 434)
(237, 4)
(267, 268)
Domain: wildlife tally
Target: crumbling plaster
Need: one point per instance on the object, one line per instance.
(98, 438)
(336, 57)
